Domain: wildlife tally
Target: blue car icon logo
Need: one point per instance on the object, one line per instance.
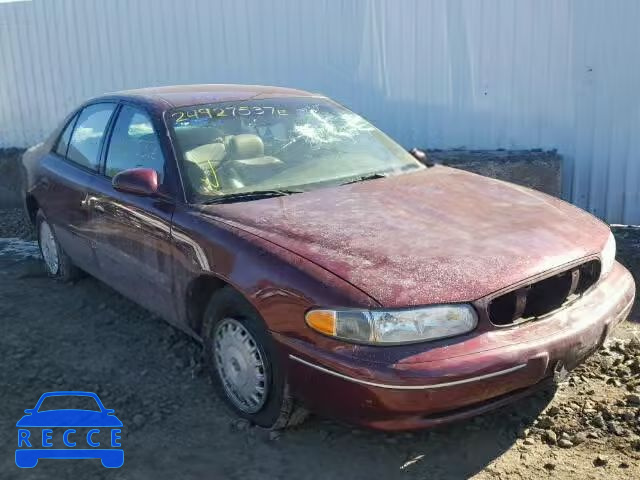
(87, 431)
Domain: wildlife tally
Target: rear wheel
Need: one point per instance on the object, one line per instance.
(57, 263)
(243, 363)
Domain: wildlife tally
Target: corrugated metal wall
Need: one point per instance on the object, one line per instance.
(436, 73)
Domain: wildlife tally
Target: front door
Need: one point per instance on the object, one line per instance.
(132, 232)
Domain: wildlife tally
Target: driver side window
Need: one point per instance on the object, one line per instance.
(134, 144)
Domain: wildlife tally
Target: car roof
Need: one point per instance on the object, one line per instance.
(184, 95)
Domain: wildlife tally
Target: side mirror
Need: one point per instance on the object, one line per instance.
(29, 411)
(421, 156)
(140, 181)
(109, 411)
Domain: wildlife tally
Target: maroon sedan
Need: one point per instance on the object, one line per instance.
(323, 266)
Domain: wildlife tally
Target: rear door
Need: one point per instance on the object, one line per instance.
(68, 174)
(133, 232)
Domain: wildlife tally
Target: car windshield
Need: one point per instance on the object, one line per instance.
(279, 144)
(69, 402)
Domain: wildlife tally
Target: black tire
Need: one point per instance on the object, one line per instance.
(279, 409)
(66, 270)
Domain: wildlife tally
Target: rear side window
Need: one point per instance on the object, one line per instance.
(84, 147)
(63, 141)
(134, 144)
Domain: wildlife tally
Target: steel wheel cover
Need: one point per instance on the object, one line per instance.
(240, 365)
(48, 248)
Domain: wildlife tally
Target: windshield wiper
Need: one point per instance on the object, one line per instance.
(248, 196)
(364, 178)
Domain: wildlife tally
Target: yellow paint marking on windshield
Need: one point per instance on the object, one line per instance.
(215, 177)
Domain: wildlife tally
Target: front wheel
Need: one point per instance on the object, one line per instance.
(243, 363)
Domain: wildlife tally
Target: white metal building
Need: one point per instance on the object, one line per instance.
(479, 74)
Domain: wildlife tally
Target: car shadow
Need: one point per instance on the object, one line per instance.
(454, 451)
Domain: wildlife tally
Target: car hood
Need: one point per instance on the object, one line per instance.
(69, 418)
(434, 236)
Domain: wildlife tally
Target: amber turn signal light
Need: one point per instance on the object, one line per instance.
(323, 321)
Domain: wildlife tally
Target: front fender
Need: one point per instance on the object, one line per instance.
(280, 284)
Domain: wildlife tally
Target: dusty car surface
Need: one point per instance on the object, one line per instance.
(323, 266)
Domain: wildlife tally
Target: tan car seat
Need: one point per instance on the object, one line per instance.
(203, 151)
(246, 156)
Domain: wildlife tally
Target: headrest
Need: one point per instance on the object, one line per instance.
(246, 145)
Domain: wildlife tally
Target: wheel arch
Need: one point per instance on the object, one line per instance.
(199, 292)
(31, 206)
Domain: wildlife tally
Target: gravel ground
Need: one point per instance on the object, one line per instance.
(13, 224)
(87, 337)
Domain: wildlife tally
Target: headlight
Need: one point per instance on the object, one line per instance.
(394, 326)
(608, 256)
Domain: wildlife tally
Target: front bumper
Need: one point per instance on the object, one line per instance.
(432, 388)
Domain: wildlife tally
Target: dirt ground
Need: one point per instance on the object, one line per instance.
(87, 337)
